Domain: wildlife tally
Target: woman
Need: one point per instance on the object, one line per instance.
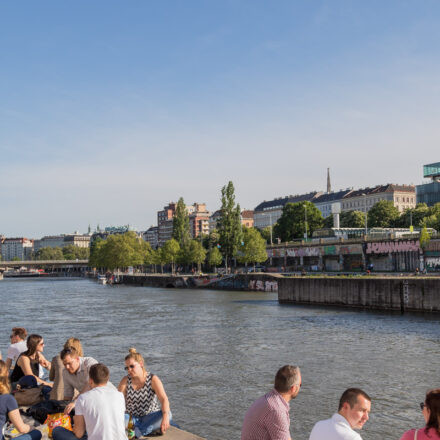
(9, 408)
(431, 413)
(29, 361)
(57, 367)
(142, 390)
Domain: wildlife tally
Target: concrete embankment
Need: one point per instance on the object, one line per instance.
(393, 294)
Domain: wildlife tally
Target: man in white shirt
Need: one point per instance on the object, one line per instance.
(18, 346)
(353, 411)
(99, 412)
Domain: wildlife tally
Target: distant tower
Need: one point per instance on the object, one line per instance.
(329, 187)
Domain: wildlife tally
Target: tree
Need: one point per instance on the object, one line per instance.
(16, 259)
(181, 224)
(157, 258)
(50, 253)
(383, 215)
(197, 253)
(414, 216)
(214, 257)
(266, 233)
(96, 253)
(72, 252)
(170, 251)
(352, 219)
(254, 248)
(424, 237)
(328, 222)
(292, 223)
(229, 223)
(210, 241)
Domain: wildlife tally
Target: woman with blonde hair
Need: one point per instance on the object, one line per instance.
(28, 363)
(9, 409)
(57, 367)
(143, 391)
(431, 413)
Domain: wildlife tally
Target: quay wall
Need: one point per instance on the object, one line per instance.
(387, 293)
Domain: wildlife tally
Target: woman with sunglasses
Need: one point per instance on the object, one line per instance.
(9, 409)
(431, 413)
(143, 391)
(28, 363)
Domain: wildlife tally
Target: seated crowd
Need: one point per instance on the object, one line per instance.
(97, 406)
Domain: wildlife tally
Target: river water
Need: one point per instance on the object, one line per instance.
(218, 351)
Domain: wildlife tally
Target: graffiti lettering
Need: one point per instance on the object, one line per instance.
(389, 247)
(263, 286)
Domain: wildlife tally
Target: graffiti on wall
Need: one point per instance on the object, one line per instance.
(264, 286)
(275, 253)
(304, 252)
(353, 249)
(433, 245)
(388, 247)
(433, 263)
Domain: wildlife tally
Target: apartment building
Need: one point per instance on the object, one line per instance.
(20, 248)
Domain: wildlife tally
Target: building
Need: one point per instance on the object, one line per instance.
(79, 240)
(165, 223)
(268, 213)
(247, 218)
(110, 230)
(60, 241)
(324, 202)
(198, 220)
(429, 193)
(402, 196)
(20, 248)
(213, 219)
(151, 235)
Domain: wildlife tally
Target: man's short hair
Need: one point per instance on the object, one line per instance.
(20, 332)
(351, 396)
(286, 377)
(69, 351)
(99, 374)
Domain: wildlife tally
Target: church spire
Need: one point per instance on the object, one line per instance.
(329, 187)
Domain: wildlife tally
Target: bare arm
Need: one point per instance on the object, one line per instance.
(122, 387)
(8, 363)
(25, 364)
(79, 427)
(17, 421)
(44, 362)
(158, 388)
(71, 405)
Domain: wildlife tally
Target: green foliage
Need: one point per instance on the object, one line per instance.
(170, 252)
(424, 237)
(383, 215)
(120, 251)
(265, 233)
(254, 248)
(229, 224)
(197, 253)
(214, 257)
(292, 224)
(50, 253)
(72, 252)
(211, 240)
(328, 222)
(417, 215)
(181, 224)
(352, 219)
(16, 259)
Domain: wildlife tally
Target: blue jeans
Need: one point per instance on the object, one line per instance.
(60, 433)
(31, 435)
(147, 424)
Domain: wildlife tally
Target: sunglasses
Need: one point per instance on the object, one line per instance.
(422, 405)
(130, 367)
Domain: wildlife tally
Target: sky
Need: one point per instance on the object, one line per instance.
(109, 109)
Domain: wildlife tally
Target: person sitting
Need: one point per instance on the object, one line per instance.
(9, 408)
(142, 390)
(28, 363)
(431, 413)
(99, 412)
(57, 367)
(18, 346)
(75, 375)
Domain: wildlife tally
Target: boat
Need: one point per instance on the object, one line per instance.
(102, 279)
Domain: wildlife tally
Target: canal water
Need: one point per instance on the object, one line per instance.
(217, 351)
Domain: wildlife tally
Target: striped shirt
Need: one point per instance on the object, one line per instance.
(267, 419)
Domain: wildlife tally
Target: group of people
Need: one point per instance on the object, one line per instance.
(268, 417)
(98, 408)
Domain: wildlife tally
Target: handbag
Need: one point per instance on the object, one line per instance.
(28, 396)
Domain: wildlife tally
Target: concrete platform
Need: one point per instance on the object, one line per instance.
(175, 434)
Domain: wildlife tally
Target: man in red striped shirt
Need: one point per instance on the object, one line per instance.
(268, 417)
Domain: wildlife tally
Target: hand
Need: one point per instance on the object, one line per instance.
(165, 423)
(69, 408)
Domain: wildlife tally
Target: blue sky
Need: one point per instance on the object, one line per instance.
(109, 110)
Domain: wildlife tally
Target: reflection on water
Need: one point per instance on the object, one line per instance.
(218, 351)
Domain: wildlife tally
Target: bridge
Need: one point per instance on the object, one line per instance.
(47, 265)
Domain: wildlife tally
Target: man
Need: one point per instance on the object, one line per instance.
(75, 375)
(354, 407)
(99, 412)
(18, 346)
(268, 417)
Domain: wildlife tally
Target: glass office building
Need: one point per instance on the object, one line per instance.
(429, 193)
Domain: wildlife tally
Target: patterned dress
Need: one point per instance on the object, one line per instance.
(143, 401)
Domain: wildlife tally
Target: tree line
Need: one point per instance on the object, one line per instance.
(230, 240)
